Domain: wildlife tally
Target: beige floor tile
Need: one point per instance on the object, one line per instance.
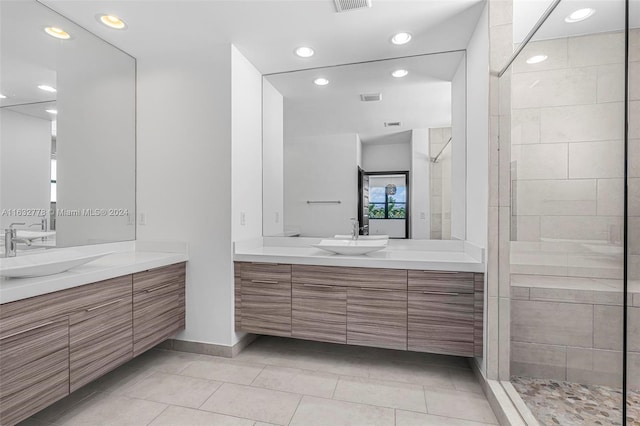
(264, 405)
(304, 382)
(120, 380)
(109, 409)
(174, 416)
(425, 375)
(314, 411)
(381, 393)
(465, 380)
(223, 370)
(460, 405)
(167, 361)
(409, 418)
(55, 411)
(173, 389)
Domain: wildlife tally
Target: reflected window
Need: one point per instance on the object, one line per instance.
(387, 204)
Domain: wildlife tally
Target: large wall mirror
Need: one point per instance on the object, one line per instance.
(67, 142)
(383, 141)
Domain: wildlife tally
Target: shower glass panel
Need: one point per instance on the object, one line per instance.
(567, 223)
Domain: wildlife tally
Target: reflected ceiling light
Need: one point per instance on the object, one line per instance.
(47, 88)
(2, 96)
(401, 38)
(112, 21)
(52, 111)
(304, 52)
(537, 59)
(399, 73)
(580, 15)
(57, 33)
(321, 81)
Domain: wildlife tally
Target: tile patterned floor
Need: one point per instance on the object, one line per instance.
(555, 402)
(282, 382)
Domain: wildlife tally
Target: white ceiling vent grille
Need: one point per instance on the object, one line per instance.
(347, 5)
(371, 97)
(392, 124)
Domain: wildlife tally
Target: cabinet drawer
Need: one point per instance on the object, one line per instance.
(158, 313)
(154, 277)
(441, 281)
(100, 339)
(15, 315)
(392, 279)
(266, 307)
(34, 371)
(319, 312)
(237, 295)
(265, 272)
(377, 318)
(441, 323)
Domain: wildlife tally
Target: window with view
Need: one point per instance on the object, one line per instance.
(383, 204)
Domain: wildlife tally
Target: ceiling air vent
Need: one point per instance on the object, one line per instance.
(347, 5)
(392, 124)
(371, 97)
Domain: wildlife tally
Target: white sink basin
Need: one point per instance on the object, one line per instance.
(48, 262)
(362, 237)
(351, 247)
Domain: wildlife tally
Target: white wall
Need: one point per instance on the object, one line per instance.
(459, 152)
(96, 159)
(322, 168)
(393, 228)
(478, 134)
(246, 152)
(378, 157)
(420, 226)
(273, 160)
(25, 163)
(184, 177)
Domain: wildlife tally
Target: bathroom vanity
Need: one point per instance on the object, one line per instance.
(54, 343)
(393, 301)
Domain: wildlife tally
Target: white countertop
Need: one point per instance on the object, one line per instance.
(128, 258)
(398, 255)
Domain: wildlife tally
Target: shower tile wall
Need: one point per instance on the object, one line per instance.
(567, 211)
(440, 178)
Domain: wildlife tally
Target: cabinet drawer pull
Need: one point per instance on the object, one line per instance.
(151, 290)
(442, 272)
(317, 285)
(264, 281)
(113, 302)
(27, 330)
(376, 289)
(265, 263)
(441, 293)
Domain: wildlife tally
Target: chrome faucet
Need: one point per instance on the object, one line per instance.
(355, 228)
(42, 224)
(11, 241)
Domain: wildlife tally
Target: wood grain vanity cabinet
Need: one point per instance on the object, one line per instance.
(441, 312)
(100, 334)
(425, 311)
(158, 305)
(265, 298)
(53, 344)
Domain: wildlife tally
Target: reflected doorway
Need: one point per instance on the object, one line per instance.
(384, 203)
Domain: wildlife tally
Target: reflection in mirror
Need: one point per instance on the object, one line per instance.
(382, 141)
(67, 143)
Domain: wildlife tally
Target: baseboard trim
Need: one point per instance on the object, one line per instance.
(208, 348)
(504, 400)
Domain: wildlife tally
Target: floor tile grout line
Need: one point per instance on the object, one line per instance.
(159, 414)
(210, 396)
(296, 410)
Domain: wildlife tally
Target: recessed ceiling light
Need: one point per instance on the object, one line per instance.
(401, 38)
(580, 15)
(321, 81)
(57, 33)
(47, 88)
(2, 96)
(399, 73)
(112, 21)
(52, 111)
(537, 59)
(304, 52)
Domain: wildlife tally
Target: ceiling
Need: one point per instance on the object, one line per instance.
(268, 31)
(422, 99)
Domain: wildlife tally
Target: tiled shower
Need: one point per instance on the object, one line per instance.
(569, 167)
